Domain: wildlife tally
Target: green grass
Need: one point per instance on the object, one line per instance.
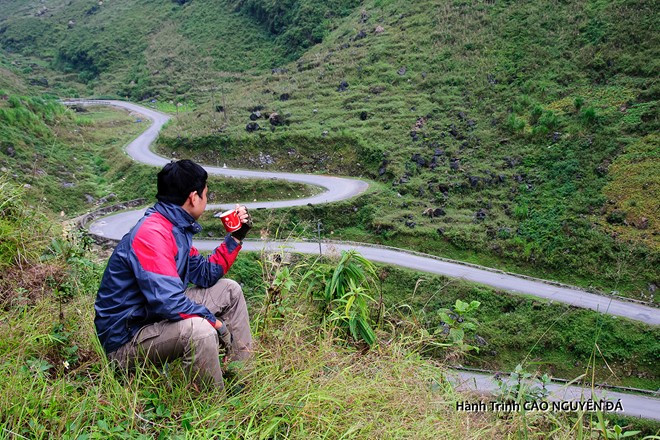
(136, 49)
(303, 382)
(549, 338)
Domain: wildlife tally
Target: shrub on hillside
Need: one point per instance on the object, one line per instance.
(298, 23)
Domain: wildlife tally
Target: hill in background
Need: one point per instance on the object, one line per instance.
(501, 133)
(503, 129)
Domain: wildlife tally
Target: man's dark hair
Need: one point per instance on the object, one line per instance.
(178, 179)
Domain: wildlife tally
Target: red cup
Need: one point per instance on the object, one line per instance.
(230, 220)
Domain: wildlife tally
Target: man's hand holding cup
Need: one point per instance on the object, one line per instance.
(237, 222)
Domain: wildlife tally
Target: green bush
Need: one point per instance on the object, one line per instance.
(299, 24)
(589, 116)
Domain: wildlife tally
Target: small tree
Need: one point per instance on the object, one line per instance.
(459, 322)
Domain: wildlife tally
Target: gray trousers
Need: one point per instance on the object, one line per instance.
(194, 339)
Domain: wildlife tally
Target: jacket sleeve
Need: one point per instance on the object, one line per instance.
(205, 272)
(153, 253)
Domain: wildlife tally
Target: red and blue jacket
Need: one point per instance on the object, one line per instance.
(149, 271)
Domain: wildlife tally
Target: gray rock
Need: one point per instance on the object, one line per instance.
(402, 71)
(418, 159)
(652, 288)
(110, 196)
(376, 90)
(251, 127)
(411, 224)
(383, 168)
(285, 97)
(68, 184)
(455, 133)
(89, 198)
(279, 71)
(275, 119)
(511, 162)
(11, 152)
(266, 159)
(454, 164)
(360, 35)
(437, 212)
(480, 215)
(642, 223)
(343, 86)
(255, 115)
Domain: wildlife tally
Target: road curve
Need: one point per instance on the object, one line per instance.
(336, 188)
(339, 188)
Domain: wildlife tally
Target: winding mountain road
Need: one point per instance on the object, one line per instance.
(339, 188)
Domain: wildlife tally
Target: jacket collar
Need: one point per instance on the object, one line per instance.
(177, 216)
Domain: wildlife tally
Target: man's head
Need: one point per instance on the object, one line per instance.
(183, 183)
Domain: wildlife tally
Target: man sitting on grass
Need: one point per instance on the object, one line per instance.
(144, 308)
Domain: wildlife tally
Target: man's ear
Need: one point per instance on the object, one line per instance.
(191, 197)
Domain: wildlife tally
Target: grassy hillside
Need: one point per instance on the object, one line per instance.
(516, 123)
(139, 49)
(307, 379)
(298, 24)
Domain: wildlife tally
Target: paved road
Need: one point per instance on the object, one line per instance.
(337, 188)
(633, 405)
(116, 225)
